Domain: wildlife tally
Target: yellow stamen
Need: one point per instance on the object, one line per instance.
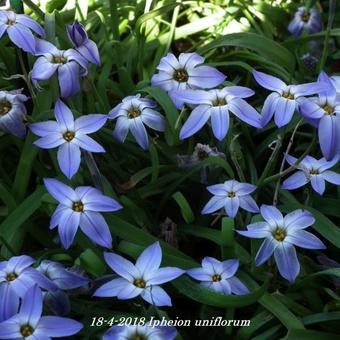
(216, 278)
(279, 234)
(181, 75)
(78, 206)
(140, 283)
(68, 136)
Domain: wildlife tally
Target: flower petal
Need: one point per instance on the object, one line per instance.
(318, 183)
(87, 143)
(229, 267)
(265, 251)
(237, 286)
(219, 121)
(163, 275)
(67, 228)
(329, 136)
(153, 119)
(111, 288)
(331, 177)
(201, 274)
(215, 203)
(217, 189)
(269, 82)
(51, 141)
(44, 128)
(231, 206)
(22, 37)
(157, 296)
(249, 204)
(55, 326)
(69, 159)
(269, 107)
(60, 191)
(285, 109)
(287, 261)
(31, 307)
(89, 123)
(129, 292)
(198, 117)
(242, 110)
(298, 219)
(271, 214)
(64, 115)
(95, 228)
(43, 69)
(121, 266)
(150, 259)
(122, 128)
(68, 76)
(297, 180)
(205, 77)
(9, 302)
(10, 329)
(304, 239)
(139, 132)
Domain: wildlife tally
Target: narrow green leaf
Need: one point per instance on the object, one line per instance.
(186, 211)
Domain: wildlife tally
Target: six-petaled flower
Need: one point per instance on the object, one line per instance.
(69, 135)
(186, 72)
(13, 112)
(314, 171)
(80, 207)
(142, 279)
(216, 104)
(285, 99)
(305, 19)
(132, 113)
(281, 234)
(29, 323)
(219, 276)
(69, 64)
(231, 195)
(18, 28)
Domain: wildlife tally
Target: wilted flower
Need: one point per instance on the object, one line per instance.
(231, 195)
(13, 112)
(132, 114)
(324, 113)
(18, 28)
(305, 19)
(314, 171)
(142, 279)
(69, 135)
(29, 324)
(16, 277)
(185, 73)
(200, 153)
(216, 104)
(69, 65)
(85, 46)
(219, 276)
(80, 207)
(309, 61)
(64, 279)
(147, 332)
(285, 99)
(281, 234)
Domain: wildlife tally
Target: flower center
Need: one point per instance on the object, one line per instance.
(10, 22)
(137, 337)
(216, 278)
(219, 102)
(328, 110)
(314, 172)
(287, 95)
(68, 136)
(11, 277)
(181, 75)
(231, 194)
(59, 60)
(305, 17)
(140, 283)
(5, 107)
(78, 206)
(279, 234)
(26, 330)
(133, 113)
